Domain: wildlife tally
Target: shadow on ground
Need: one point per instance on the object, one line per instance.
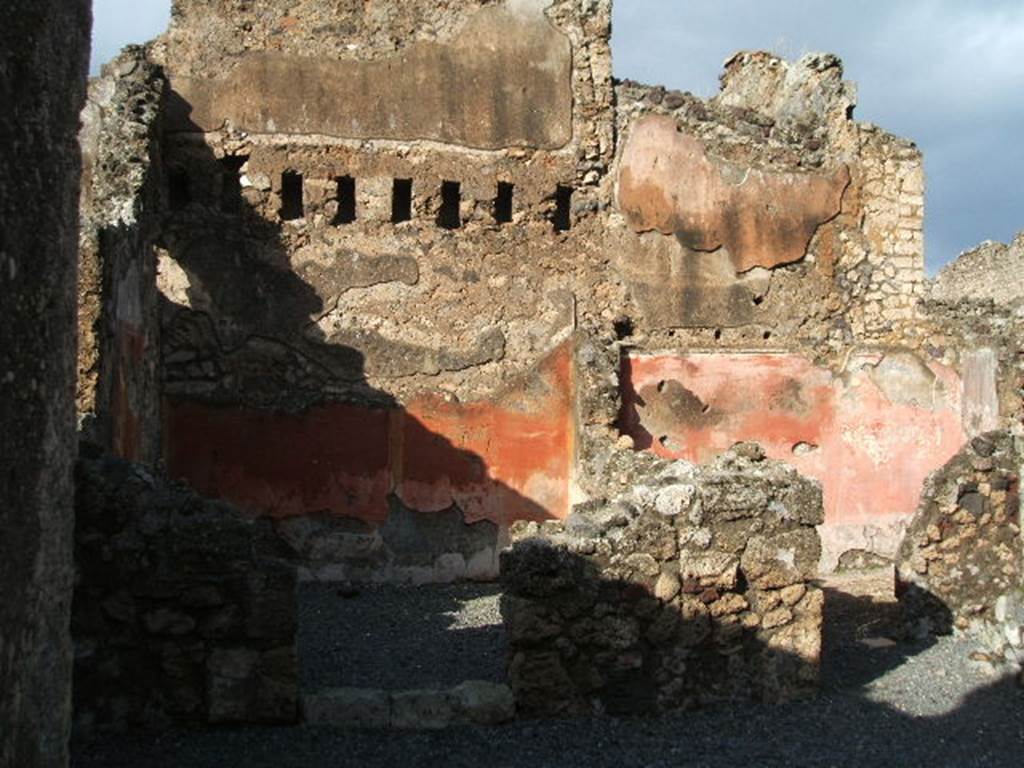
(891, 705)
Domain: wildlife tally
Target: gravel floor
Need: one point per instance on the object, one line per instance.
(399, 639)
(882, 704)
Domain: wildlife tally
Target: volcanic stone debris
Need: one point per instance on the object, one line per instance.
(695, 587)
(961, 564)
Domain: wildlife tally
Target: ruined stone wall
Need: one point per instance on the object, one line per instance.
(44, 52)
(694, 587)
(992, 271)
(795, 227)
(122, 202)
(961, 564)
(983, 340)
(184, 610)
(772, 249)
(389, 304)
(974, 320)
(426, 261)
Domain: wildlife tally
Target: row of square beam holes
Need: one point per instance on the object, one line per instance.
(293, 208)
(448, 216)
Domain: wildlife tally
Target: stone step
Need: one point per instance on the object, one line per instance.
(474, 702)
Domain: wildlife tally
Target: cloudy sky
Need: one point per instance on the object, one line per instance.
(948, 74)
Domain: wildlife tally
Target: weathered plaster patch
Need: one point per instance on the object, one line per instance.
(427, 92)
(668, 182)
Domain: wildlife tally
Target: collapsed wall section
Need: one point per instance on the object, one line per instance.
(695, 587)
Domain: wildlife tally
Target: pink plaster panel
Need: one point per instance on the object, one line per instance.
(871, 454)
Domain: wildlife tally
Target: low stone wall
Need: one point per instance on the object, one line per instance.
(694, 587)
(961, 564)
(183, 611)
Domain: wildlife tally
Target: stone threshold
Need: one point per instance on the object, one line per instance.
(474, 702)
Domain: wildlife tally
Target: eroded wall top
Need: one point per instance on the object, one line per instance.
(992, 271)
(766, 216)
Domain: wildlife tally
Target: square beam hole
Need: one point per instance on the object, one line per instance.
(561, 218)
(401, 201)
(503, 202)
(449, 216)
(231, 183)
(346, 197)
(292, 207)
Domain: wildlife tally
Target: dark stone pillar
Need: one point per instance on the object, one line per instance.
(44, 51)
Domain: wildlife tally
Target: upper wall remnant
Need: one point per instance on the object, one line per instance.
(486, 76)
(669, 182)
(992, 271)
(767, 207)
(503, 80)
(807, 91)
(118, 372)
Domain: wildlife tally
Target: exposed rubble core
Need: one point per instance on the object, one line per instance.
(184, 611)
(961, 565)
(693, 588)
(44, 55)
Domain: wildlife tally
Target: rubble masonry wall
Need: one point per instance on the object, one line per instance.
(694, 587)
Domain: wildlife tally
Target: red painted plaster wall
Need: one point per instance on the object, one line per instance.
(499, 460)
(126, 427)
(872, 455)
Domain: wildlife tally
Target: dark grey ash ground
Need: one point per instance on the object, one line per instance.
(395, 638)
(895, 705)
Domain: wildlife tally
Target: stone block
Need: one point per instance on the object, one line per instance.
(773, 562)
(348, 708)
(422, 710)
(484, 703)
(709, 569)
